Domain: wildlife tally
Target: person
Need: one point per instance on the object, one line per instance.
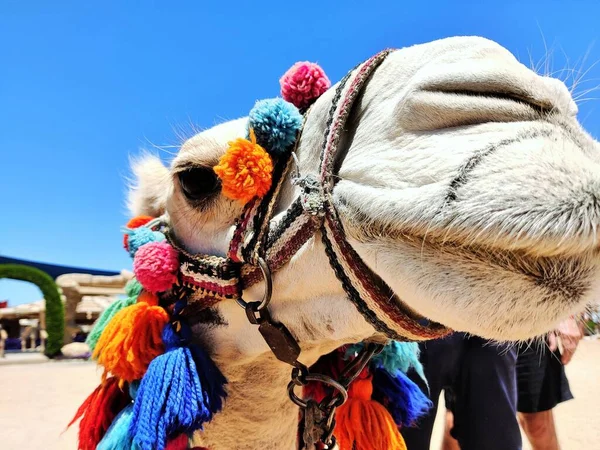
(479, 383)
(3, 338)
(541, 385)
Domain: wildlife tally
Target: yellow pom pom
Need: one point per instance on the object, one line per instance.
(245, 170)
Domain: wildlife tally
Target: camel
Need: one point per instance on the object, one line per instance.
(468, 186)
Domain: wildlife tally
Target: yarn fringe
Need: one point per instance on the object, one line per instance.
(364, 424)
(178, 443)
(117, 436)
(171, 398)
(98, 411)
(131, 340)
(401, 397)
(105, 318)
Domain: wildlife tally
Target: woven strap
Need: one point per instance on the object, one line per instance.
(373, 298)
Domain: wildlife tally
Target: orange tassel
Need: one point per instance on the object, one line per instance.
(364, 424)
(132, 339)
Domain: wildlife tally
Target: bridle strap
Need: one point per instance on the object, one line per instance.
(369, 293)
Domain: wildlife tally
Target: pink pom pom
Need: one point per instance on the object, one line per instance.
(155, 266)
(303, 83)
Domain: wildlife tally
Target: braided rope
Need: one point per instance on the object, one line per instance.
(371, 296)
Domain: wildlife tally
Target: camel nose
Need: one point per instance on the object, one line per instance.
(466, 87)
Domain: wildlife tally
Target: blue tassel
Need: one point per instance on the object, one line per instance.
(401, 397)
(117, 436)
(172, 397)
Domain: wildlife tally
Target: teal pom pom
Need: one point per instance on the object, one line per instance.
(276, 124)
(133, 288)
(142, 235)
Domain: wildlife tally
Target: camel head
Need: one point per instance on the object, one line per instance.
(468, 186)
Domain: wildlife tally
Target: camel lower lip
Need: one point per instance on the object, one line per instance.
(565, 276)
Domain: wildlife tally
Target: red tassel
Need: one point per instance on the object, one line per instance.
(364, 424)
(98, 411)
(331, 365)
(178, 443)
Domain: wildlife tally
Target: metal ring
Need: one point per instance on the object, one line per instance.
(266, 271)
(321, 379)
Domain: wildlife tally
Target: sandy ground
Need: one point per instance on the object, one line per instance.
(37, 401)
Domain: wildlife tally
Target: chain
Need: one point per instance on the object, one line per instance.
(319, 418)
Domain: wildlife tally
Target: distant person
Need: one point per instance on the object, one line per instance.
(3, 338)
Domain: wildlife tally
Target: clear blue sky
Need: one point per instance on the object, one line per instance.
(84, 85)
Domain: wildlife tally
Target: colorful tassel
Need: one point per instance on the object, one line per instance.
(400, 356)
(401, 397)
(98, 411)
(117, 436)
(364, 424)
(172, 399)
(395, 356)
(132, 339)
(178, 443)
(132, 290)
(331, 364)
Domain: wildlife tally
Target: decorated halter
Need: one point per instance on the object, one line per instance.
(159, 387)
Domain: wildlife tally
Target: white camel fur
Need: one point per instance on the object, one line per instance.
(468, 186)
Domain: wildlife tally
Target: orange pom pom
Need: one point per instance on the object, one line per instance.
(364, 424)
(245, 170)
(136, 222)
(131, 340)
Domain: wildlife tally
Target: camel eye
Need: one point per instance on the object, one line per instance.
(199, 182)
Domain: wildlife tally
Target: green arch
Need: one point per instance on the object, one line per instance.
(55, 314)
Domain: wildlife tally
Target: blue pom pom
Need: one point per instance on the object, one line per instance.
(142, 235)
(276, 124)
(175, 395)
(400, 396)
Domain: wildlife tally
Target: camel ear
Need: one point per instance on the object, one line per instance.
(149, 191)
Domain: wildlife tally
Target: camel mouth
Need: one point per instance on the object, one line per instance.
(567, 278)
(497, 293)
